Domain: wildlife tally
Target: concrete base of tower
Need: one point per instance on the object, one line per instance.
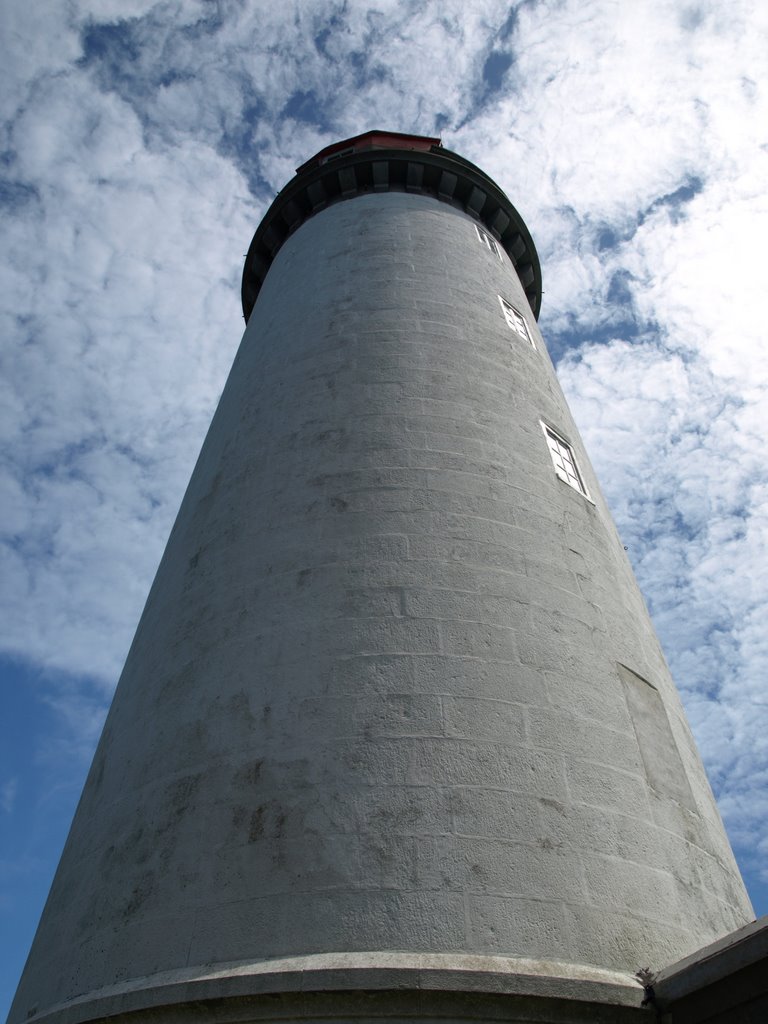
(370, 986)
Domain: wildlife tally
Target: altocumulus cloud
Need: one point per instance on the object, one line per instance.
(141, 143)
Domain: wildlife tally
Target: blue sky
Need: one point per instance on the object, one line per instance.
(141, 143)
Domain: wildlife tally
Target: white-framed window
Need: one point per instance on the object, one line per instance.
(564, 460)
(516, 320)
(486, 239)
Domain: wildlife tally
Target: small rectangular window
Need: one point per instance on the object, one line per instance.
(564, 460)
(486, 239)
(516, 320)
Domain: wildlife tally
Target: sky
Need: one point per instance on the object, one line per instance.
(142, 142)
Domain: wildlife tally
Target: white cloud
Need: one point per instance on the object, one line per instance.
(8, 791)
(121, 319)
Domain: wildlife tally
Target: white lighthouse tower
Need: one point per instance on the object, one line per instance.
(395, 737)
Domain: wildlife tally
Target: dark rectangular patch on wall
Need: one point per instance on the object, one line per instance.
(664, 767)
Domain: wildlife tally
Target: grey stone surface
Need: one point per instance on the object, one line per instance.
(368, 986)
(374, 701)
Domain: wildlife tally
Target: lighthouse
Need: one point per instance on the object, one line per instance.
(395, 736)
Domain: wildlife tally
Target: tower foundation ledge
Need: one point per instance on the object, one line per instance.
(365, 986)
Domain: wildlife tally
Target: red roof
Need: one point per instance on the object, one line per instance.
(370, 140)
